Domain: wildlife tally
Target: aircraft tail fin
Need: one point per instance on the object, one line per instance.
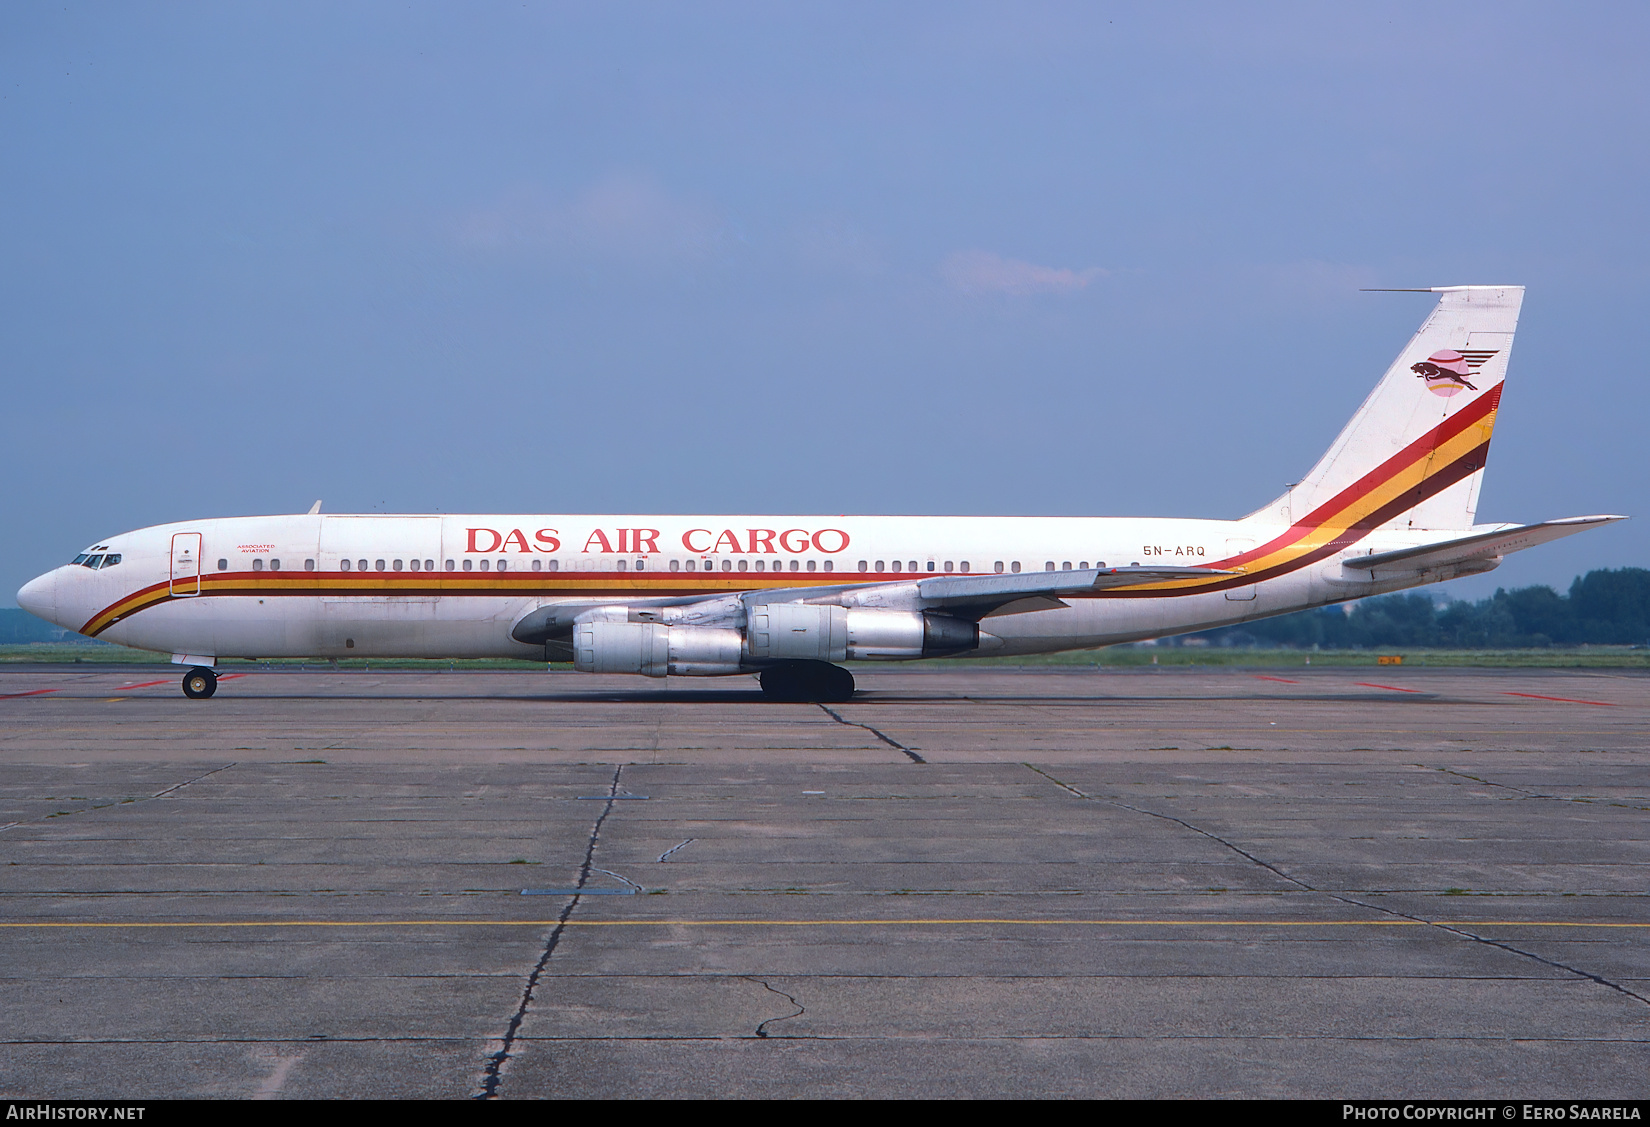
(1413, 456)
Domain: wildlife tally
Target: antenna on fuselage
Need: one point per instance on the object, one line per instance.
(315, 508)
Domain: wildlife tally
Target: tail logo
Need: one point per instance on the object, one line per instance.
(1448, 372)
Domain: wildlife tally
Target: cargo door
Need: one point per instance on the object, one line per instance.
(186, 564)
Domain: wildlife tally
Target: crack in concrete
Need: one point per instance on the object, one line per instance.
(492, 1074)
(1533, 793)
(1452, 929)
(665, 856)
(762, 1029)
(117, 802)
(196, 779)
(893, 743)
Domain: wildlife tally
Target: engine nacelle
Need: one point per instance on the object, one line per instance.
(892, 634)
(797, 632)
(806, 632)
(655, 650)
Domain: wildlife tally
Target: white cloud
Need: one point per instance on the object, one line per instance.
(980, 271)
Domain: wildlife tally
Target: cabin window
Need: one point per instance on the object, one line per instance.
(690, 564)
(879, 565)
(1049, 566)
(744, 564)
(1084, 566)
(397, 565)
(761, 565)
(483, 564)
(676, 565)
(948, 565)
(1000, 567)
(429, 565)
(503, 565)
(896, 565)
(257, 565)
(412, 565)
(468, 564)
(621, 564)
(378, 564)
(361, 565)
(449, 565)
(641, 565)
(795, 564)
(1066, 566)
(964, 567)
(274, 565)
(555, 565)
(309, 565)
(828, 566)
(1099, 563)
(1015, 565)
(538, 565)
(223, 565)
(931, 566)
(343, 565)
(862, 565)
(727, 565)
(912, 566)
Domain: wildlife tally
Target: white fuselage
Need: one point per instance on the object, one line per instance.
(454, 586)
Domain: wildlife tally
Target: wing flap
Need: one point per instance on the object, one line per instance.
(982, 594)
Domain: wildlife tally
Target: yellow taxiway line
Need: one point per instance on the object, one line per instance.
(947, 922)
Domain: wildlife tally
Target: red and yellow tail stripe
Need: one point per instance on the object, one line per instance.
(1445, 455)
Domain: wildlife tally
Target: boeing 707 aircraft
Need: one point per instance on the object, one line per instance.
(1390, 505)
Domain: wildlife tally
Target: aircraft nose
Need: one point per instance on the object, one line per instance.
(39, 596)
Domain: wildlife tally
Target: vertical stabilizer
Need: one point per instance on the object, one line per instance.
(1413, 456)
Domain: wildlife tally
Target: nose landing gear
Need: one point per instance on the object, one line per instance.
(199, 683)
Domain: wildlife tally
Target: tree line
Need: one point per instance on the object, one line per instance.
(1608, 607)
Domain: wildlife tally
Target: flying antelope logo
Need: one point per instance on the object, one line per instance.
(1448, 372)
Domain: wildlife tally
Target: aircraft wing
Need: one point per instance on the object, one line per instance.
(974, 596)
(1483, 546)
(966, 596)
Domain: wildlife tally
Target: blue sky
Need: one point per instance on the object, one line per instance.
(911, 258)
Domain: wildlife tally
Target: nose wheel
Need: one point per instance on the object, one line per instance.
(198, 684)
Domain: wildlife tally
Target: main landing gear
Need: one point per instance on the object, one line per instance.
(199, 683)
(811, 681)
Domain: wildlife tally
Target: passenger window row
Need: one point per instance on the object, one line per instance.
(912, 565)
(94, 562)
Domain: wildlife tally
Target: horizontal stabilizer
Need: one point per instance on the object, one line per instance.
(1482, 546)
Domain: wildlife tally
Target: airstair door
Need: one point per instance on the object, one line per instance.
(186, 564)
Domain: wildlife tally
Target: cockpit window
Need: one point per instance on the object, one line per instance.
(80, 559)
(94, 562)
(111, 559)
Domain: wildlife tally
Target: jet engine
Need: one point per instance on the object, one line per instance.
(655, 650)
(807, 632)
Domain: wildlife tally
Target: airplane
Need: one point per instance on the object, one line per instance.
(1390, 505)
